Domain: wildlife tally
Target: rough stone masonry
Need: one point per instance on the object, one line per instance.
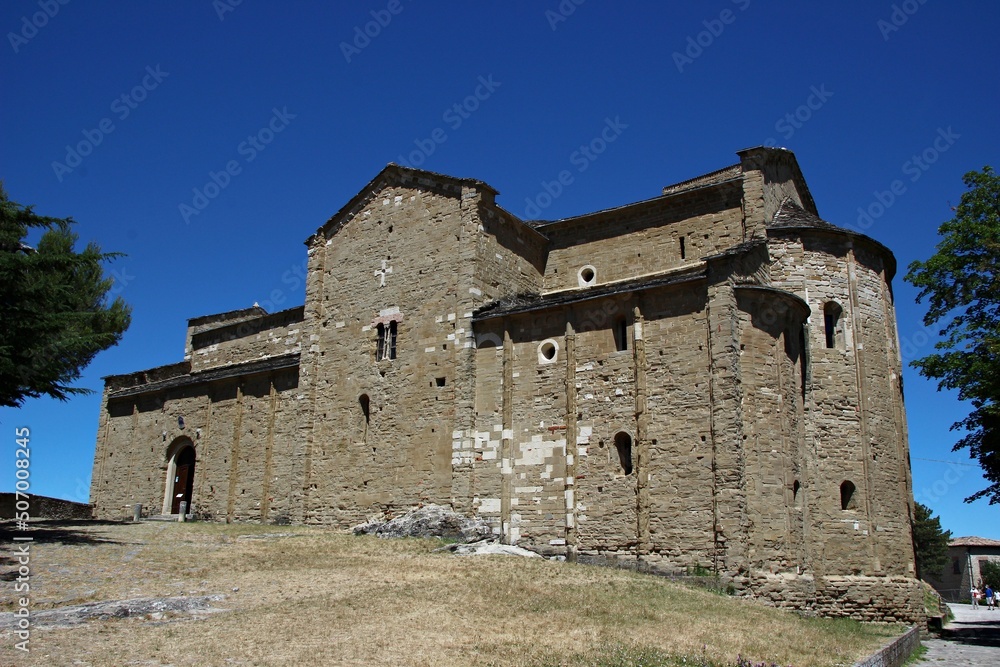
(708, 379)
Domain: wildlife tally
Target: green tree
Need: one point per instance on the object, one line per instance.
(930, 543)
(989, 570)
(55, 310)
(961, 282)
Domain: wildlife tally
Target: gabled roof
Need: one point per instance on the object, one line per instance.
(973, 542)
(398, 174)
(760, 155)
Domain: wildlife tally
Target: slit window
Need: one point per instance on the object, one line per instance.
(621, 334)
(683, 249)
(386, 341)
(833, 324)
(803, 361)
(796, 494)
(623, 443)
(365, 407)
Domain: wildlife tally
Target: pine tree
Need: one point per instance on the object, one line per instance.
(55, 312)
(930, 543)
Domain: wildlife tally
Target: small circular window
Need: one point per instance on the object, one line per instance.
(587, 276)
(547, 351)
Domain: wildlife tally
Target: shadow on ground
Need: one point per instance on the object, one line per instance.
(52, 532)
(983, 631)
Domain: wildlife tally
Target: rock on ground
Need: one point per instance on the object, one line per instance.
(67, 617)
(490, 548)
(428, 521)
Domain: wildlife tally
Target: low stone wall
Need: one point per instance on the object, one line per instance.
(43, 507)
(895, 653)
(863, 598)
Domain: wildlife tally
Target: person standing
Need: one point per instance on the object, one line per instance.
(989, 597)
(975, 597)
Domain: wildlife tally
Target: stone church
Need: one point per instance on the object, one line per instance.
(709, 379)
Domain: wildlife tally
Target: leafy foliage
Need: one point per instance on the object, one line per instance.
(930, 543)
(55, 314)
(961, 282)
(989, 570)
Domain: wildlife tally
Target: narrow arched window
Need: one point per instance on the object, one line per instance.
(833, 325)
(386, 348)
(796, 494)
(803, 361)
(847, 495)
(621, 334)
(365, 407)
(623, 443)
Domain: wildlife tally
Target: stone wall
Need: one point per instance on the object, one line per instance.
(44, 508)
(242, 429)
(644, 238)
(854, 413)
(681, 382)
(863, 598)
(259, 337)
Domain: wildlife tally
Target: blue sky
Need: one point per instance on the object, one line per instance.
(207, 140)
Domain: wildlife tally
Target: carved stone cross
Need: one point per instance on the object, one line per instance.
(380, 273)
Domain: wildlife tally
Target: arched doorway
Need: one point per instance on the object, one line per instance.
(180, 480)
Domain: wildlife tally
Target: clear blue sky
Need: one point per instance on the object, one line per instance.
(856, 90)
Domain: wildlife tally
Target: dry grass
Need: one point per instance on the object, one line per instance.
(309, 596)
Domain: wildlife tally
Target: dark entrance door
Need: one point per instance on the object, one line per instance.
(183, 479)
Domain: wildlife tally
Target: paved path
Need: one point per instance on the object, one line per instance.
(971, 640)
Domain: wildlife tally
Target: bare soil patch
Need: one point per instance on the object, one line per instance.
(296, 595)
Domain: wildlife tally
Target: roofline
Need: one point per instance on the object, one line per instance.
(257, 366)
(494, 310)
(544, 224)
(798, 177)
(366, 192)
(698, 178)
(229, 313)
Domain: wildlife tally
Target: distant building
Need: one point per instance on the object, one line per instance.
(709, 378)
(967, 555)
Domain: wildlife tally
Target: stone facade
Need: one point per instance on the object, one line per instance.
(705, 380)
(964, 569)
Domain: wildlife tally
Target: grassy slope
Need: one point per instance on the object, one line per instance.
(312, 597)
